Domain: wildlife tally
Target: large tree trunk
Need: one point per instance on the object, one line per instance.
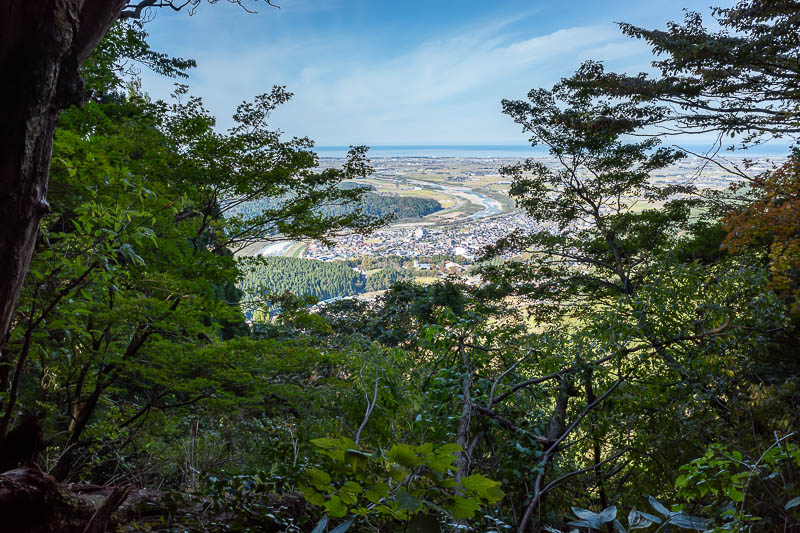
(42, 43)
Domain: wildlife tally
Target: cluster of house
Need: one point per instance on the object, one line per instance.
(465, 240)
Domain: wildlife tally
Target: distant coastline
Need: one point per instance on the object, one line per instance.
(488, 151)
(476, 151)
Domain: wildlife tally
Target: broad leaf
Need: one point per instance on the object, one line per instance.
(335, 507)
(463, 507)
(608, 514)
(640, 520)
(344, 526)
(404, 455)
(686, 521)
(320, 527)
(659, 507)
(406, 502)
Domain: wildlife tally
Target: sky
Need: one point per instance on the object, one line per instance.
(414, 72)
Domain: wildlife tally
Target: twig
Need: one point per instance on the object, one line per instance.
(370, 406)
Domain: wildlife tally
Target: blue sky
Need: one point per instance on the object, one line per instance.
(377, 72)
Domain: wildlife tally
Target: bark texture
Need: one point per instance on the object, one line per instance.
(42, 43)
(34, 502)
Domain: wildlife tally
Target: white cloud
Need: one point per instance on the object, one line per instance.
(445, 90)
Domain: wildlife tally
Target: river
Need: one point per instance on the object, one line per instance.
(491, 206)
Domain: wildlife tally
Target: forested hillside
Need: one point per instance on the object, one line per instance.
(376, 205)
(402, 207)
(326, 279)
(386, 277)
(634, 368)
(304, 277)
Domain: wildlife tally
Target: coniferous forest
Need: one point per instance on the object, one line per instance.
(371, 204)
(639, 369)
(323, 280)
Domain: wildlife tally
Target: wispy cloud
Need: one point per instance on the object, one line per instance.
(440, 90)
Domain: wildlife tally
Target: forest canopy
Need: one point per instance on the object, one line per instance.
(631, 369)
(378, 206)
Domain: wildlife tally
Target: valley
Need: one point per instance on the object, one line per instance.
(476, 211)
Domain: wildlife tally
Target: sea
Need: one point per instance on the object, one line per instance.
(444, 150)
(503, 151)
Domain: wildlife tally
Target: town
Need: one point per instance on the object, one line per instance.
(477, 209)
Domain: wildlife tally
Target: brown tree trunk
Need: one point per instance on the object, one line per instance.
(42, 43)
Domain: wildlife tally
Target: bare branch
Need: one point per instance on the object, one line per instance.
(370, 406)
(135, 10)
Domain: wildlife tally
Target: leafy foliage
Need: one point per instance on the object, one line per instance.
(738, 80)
(655, 362)
(397, 484)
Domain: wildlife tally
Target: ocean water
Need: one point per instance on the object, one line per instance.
(477, 151)
(511, 151)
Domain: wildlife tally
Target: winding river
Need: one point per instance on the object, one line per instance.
(491, 206)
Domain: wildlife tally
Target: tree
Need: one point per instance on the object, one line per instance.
(594, 240)
(42, 47)
(739, 80)
(136, 253)
(627, 279)
(772, 220)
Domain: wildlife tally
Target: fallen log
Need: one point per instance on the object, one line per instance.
(32, 501)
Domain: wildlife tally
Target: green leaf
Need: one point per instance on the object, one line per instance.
(425, 449)
(325, 443)
(378, 491)
(494, 494)
(318, 477)
(335, 507)
(347, 497)
(312, 496)
(442, 463)
(404, 455)
(449, 448)
(448, 483)
(357, 459)
(479, 484)
(794, 502)
(462, 508)
(398, 473)
(735, 494)
(353, 487)
(406, 502)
